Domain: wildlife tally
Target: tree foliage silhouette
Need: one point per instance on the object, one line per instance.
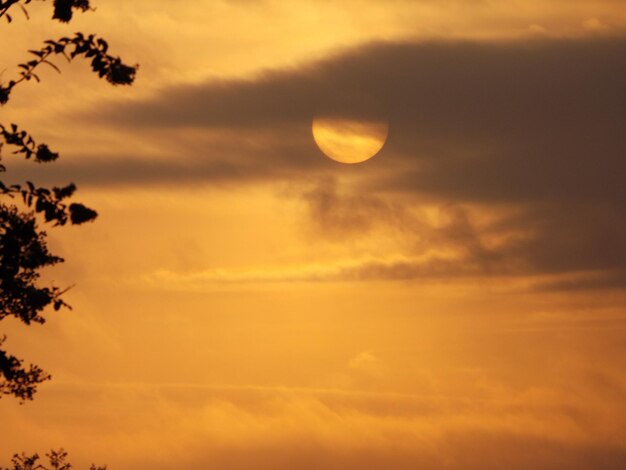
(23, 248)
(56, 461)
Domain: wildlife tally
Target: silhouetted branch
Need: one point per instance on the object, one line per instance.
(45, 201)
(23, 253)
(57, 460)
(7, 4)
(16, 379)
(26, 145)
(111, 68)
(62, 8)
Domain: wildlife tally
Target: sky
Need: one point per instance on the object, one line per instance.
(242, 301)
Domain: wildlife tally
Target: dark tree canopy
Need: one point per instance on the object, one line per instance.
(23, 248)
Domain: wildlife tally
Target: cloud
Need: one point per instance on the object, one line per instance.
(511, 121)
(589, 281)
(429, 266)
(366, 364)
(532, 129)
(532, 238)
(161, 427)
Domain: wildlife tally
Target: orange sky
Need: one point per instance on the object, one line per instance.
(244, 302)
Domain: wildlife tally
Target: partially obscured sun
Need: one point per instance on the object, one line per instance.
(349, 140)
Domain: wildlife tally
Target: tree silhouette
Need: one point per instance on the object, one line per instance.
(23, 249)
(56, 461)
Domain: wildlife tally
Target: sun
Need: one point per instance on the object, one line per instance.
(349, 140)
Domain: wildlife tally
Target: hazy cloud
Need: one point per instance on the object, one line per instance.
(536, 126)
(274, 428)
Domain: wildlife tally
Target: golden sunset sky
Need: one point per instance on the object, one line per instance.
(243, 302)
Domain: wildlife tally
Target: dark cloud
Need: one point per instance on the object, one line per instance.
(517, 121)
(350, 212)
(605, 280)
(194, 161)
(536, 125)
(506, 122)
(536, 238)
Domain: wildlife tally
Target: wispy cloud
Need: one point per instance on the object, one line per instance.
(285, 428)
